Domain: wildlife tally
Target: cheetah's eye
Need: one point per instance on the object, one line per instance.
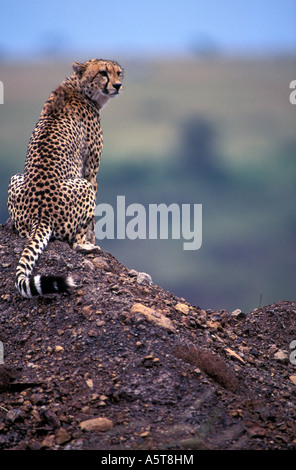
(103, 73)
(119, 74)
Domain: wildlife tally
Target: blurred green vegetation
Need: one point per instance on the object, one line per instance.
(218, 132)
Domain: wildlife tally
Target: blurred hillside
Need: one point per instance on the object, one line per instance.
(218, 132)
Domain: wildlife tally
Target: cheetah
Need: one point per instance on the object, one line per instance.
(55, 196)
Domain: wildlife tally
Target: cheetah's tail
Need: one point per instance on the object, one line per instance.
(29, 285)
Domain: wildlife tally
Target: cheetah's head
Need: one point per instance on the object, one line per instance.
(99, 79)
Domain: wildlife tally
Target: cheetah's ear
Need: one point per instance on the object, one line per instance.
(78, 68)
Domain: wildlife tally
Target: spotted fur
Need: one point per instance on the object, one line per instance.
(55, 196)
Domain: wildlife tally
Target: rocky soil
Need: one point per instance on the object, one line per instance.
(122, 364)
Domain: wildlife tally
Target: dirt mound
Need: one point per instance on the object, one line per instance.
(122, 364)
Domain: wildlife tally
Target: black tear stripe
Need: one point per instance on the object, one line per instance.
(106, 86)
(108, 80)
(94, 77)
(100, 71)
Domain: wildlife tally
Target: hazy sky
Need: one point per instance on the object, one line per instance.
(32, 27)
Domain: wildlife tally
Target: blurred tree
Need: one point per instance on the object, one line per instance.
(204, 47)
(198, 146)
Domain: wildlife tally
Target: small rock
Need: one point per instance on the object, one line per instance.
(34, 445)
(88, 264)
(87, 311)
(5, 265)
(14, 415)
(58, 349)
(182, 308)
(281, 356)
(150, 361)
(101, 403)
(237, 413)
(293, 379)
(6, 297)
(97, 424)
(93, 333)
(214, 325)
(49, 417)
(48, 441)
(133, 273)
(62, 436)
(100, 263)
(154, 316)
(234, 355)
(236, 312)
(256, 431)
(90, 383)
(144, 278)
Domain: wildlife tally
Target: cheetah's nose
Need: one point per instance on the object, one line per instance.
(117, 86)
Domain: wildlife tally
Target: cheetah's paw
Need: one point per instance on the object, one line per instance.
(86, 248)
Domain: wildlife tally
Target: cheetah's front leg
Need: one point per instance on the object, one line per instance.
(85, 240)
(90, 229)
